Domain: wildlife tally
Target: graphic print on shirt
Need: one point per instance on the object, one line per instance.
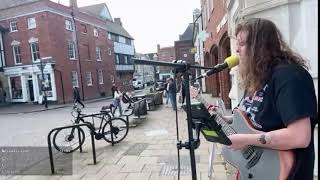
(252, 105)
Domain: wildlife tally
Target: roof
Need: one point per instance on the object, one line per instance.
(188, 33)
(112, 26)
(117, 29)
(11, 3)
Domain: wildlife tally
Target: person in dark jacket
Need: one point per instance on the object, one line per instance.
(172, 91)
(76, 96)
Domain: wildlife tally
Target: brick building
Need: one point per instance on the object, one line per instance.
(70, 44)
(216, 47)
(166, 54)
(183, 47)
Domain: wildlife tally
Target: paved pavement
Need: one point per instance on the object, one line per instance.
(148, 152)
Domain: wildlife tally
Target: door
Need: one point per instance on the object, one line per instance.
(31, 93)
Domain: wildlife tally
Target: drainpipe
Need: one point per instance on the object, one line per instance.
(78, 53)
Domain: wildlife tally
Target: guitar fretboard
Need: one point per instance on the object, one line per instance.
(226, 128)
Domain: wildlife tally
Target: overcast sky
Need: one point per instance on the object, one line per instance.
(149, 22)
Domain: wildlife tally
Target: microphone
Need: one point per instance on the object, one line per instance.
(229, 62)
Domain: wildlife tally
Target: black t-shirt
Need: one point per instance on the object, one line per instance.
(289, 95)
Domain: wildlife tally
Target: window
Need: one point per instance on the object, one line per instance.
(16, 88)
(122, 39)
(98, 54)
(71, 50)
(35, 55)
(16, 54)
(125, 59)
(89, 79)
(100, 76)
(69, 25)
(109, 51)
(117, 59)
(13, 26)
(109, 36)
(32, 23)
(74, 78)
(83, 28)
(114, 37)
(112, 78)
(128, 41)
(45, 85)
(95, 32)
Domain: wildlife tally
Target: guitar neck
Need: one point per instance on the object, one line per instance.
(226, 128)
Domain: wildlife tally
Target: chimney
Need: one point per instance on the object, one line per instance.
(118, 21)
(158, 48)
(73, 3)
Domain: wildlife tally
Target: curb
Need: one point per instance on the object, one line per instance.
(57, 107)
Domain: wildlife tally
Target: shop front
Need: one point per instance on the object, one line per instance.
(26, 84)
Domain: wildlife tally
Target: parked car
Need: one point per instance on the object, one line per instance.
(160, 85)
(137, 84)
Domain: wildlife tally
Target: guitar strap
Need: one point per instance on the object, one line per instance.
(244, 95)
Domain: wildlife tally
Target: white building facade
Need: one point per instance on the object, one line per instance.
(298, 22)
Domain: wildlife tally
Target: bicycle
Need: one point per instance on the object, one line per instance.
(111, 129)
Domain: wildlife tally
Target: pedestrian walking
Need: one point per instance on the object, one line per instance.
(76, 96)
(117, 101)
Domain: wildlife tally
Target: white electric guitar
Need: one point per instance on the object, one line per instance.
(252, 162)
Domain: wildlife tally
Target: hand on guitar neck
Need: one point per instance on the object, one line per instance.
(213, 109)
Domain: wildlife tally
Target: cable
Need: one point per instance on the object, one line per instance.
(177, 127)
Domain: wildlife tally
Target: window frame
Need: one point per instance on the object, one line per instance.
(36, 52)
(98, 53)
(73, 50)
(11, 27)
(89, 78)
(74, 79)
(95, 32)
(117, 59)
(109, 52)
(15, 55)
(100, 76)
(31, 24)
(68, 27)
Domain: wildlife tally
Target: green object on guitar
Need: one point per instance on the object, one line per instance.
(210, 133)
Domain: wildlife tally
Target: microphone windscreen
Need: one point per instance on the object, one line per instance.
(232, 61)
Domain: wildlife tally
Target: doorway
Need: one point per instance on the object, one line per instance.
(31, 93)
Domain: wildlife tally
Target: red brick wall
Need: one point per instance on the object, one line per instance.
(218, 84)
(166, 54)
(184, 47)
(53, 41)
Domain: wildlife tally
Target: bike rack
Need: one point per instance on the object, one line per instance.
(65, 127)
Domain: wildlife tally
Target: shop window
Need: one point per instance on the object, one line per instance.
(16, 88)
(45, 85)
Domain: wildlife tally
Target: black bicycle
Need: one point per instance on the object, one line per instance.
(103, 126)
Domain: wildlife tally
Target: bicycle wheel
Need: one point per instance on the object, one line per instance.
(67, 140)
(119, 129)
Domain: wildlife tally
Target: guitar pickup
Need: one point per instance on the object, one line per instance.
(255, 158)
(247, 153)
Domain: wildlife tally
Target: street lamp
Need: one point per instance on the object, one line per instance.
(155, 57)
(43, 84)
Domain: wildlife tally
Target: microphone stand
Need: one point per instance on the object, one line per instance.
(183, 68)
